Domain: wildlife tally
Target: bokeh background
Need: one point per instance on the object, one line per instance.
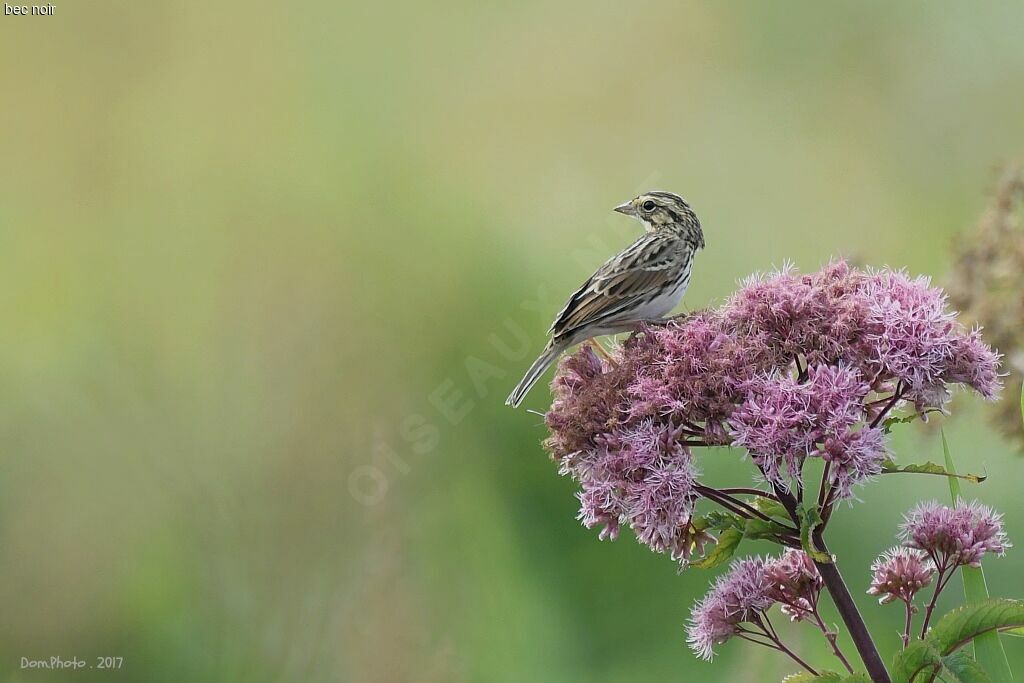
(268, 270)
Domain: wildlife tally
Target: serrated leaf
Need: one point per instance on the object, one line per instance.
(810, 518)
(716, 520)
(922, 661)
(988, 650)
(920, 658)
(757, 529)
(965, 623)
(890, 467)
(891, 422)
(773, 508)
(962, 668)
(824, 677)
(728, 541)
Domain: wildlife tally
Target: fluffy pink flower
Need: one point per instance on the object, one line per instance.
(911, 335)
(740, 595)
(954, 537)
(899, 574)
(790, 367)
(817, 316)
(785, 420)
(699, 372)
(795, 583)
(643, 477)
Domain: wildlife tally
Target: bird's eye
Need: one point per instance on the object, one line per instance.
(648, 205)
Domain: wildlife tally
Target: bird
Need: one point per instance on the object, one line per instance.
(640, 284)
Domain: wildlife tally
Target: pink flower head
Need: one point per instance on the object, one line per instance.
(794, 582)
(790, 367)
(586, 401)
(740, 595)
(816, 316)
(785, 420)
(899, 573)
(954, 537)
(697, 374)
(643, 477)
(912, 336)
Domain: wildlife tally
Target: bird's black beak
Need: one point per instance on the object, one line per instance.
(626, 208)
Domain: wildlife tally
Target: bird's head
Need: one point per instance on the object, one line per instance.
(657, 209)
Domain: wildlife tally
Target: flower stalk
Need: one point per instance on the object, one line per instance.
(843, 600)
(852, 618)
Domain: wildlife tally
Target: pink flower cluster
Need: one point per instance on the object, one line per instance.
(955, 536)
(645, 477)
(795, 584)
(791, 367)
(738, 601)
(785, 420)
(899, 574)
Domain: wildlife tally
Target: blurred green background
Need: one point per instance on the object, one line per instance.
(268, 271)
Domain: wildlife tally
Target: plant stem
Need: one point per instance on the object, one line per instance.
(766, 631)
(750, 491)
(940, 582)
(909, 622)
(843, 600)
(795, 658)
(823, 489)
(831, 638)
(896, 396)
(851, 617)
(721, 498)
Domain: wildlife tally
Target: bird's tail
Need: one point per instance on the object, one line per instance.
(551, 352)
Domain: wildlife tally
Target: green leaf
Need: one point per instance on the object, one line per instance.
(921, 662)
(890, 467)
(988, 650)
(716, 520)
(1022, 403)
(954, 485)
(804, 677)
(810, 518)
(825, 677)
(773, 508)
(728, 541)
(756, 528)
(920, 657)
(962, 668)
(969, 621)
(891, 422)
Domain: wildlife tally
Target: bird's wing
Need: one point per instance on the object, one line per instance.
(647, 265)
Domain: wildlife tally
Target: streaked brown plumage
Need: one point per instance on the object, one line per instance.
(640, 284)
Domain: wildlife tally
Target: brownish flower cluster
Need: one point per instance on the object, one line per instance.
(987, 285)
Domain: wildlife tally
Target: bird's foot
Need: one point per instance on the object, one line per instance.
(600, 351)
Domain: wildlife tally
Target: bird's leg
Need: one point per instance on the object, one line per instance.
(596, 345)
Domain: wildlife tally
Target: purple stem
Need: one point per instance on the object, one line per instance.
(851, 617)
(896, 396)
(844, 603)
(908, 625)
(769, 633)
(831, 638)
(940, 582)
